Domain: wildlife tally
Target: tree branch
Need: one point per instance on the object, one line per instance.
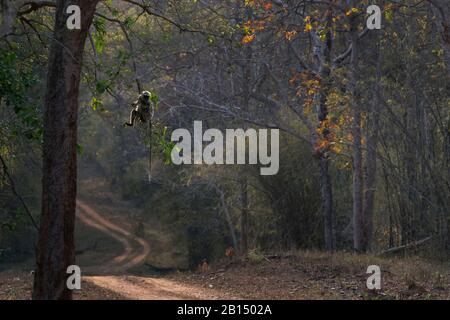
(13, 189)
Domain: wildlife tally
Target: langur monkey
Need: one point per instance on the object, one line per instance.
(141, 109)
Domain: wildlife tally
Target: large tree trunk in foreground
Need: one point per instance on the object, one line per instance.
(55, 250)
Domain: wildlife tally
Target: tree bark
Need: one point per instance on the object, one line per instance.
(323, 52)
(358, 218)
(244, 215)
(243, 183)
(371, 160)
(327, 205)
(410, 154)
(227, 217)
(55, 249)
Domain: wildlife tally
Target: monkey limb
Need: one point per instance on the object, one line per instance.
(133, 116)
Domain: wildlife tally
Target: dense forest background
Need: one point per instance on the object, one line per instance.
(363, 114)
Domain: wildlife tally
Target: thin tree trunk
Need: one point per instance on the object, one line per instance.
(410, 142)
(358, 218)
(327, 205)
(320, 99)
(371, 160)
(243, 184)
(244, 216)
(370, 184)
(228, 217)
(55, 250)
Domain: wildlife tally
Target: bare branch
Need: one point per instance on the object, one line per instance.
(14, 191)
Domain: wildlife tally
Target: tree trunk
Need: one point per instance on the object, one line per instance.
(410, 154)
(243, 184)
(55, 249)
(323, 49)
(244, 215)
(371, 160)
(228, 218)
(327, 205)
(358, 218)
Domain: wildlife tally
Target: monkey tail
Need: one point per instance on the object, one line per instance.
(150, 131)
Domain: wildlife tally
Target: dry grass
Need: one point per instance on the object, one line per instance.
(318, 275)
(293, 275)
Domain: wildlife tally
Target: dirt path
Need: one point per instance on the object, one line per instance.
(113, 275)
(130, 256)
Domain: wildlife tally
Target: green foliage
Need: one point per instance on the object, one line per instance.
(128, 22)
(154, 99)
(102, 86)
(96, 103)
(99, 35)
(80, 149)
(161, 139)
(211, 39)
(18, 219)
(16, 79)
(255, 257)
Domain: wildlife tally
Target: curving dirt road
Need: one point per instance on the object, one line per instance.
(130, 256)
(113, 275)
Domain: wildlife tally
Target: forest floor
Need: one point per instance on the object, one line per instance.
(114, 263)
(317, 275)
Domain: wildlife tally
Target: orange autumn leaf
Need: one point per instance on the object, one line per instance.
(267, 6)
(290, 35)
(248, 38)
(336, 148)
(322, 144)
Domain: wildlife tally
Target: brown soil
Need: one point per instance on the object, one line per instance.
(17, 285)
(313, 275)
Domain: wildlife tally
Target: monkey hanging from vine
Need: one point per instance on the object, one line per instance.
(144, 110)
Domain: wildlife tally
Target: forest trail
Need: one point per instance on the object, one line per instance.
(130, 257)
(114, 276)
